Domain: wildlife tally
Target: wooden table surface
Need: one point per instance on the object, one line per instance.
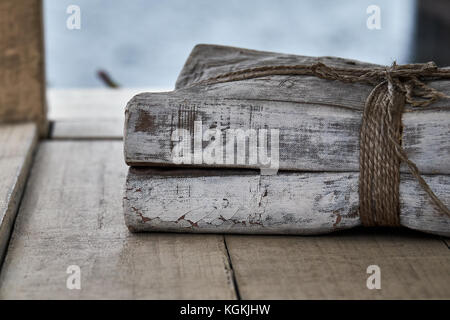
(68, 203)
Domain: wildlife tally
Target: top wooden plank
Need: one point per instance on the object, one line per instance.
(22, 80)
(206, 61)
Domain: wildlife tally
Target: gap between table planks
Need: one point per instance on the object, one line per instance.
(71, 214)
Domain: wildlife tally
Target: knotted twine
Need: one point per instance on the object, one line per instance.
(381, 130)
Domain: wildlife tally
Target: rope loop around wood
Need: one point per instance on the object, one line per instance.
(381, 152)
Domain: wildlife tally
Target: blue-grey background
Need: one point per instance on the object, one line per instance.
(144, 43)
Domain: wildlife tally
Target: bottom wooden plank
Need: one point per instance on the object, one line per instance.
(71, 215)
(17, 143)
(243, 201)
(412, 266)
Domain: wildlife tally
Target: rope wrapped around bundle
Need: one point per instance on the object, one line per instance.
(381, 152)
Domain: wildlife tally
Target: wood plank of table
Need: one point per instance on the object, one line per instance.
(88, 129)
(17, 144)
(413, 266)
(89, 113)
(71, 214)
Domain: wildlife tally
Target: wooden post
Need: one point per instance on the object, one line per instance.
(22, 80)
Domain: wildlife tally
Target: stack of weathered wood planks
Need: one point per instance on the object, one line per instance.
(179, 181)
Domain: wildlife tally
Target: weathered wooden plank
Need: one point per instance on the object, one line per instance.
(22, 81)
(319, 120)
(313, 136)
(71, 215)
(207, 61)
(89, 113)
(230, 201)
(413, 266)
(17, 143)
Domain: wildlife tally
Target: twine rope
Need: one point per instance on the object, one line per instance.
(381, 130)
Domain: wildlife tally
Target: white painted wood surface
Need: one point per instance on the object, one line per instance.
(17, 144)
(314, 136)
(227, 201)
(71, 214)
(206, 61)
(319, 120)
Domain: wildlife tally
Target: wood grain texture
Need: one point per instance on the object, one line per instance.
(315, 136)
(413, 266)
(207, 61)
(17, 143)
(89, 129)
(89, 113)
(319, 120)
(71, 215)
(231, 201)
(22, 80)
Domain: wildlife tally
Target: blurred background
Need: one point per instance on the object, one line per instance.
(144, 43)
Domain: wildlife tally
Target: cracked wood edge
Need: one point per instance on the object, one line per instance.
(231, 201)
(22, 79)
(413, 266)
(17, 142)
(71, 215)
